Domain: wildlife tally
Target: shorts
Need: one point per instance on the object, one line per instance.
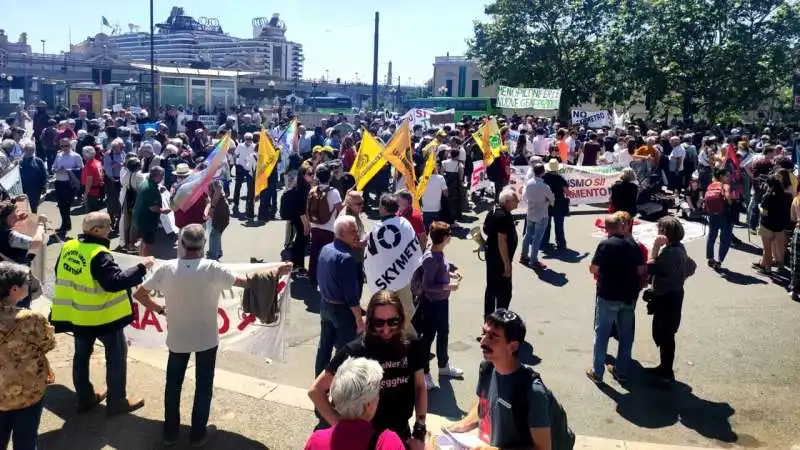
(146, 234)
(768, 234)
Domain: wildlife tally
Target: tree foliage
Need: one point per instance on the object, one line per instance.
(712, 56)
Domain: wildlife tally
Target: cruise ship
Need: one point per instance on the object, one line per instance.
(186, 41)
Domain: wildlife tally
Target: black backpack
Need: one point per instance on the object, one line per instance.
(561, 435)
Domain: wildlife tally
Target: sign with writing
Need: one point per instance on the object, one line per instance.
(511, 139)
(646, 232)
(210, 122)
(443, 117)
(238, 332)
(528, 98)
(392, 254)
(587, 185)
(596, 119)
(479, 178)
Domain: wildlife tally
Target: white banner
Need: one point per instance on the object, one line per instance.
(210, 122)
(587, 185)
(528, 98)
(591, 119)
(392, 255)
(238, 332)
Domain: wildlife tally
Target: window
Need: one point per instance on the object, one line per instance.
(448, 84)
(199, 83)
(227, 84)
(474, 90)
(172, 81)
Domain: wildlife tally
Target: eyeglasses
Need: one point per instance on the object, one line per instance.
(393, 322)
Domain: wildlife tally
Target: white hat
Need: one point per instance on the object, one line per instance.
(181, 169)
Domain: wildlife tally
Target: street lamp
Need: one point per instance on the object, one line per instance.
(393, 91)
(43, 41)
(442, 91)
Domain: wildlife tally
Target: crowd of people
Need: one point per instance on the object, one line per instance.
(372, 365)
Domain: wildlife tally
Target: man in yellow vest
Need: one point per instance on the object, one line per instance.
(92, 299)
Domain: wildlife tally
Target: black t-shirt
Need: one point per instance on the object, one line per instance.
(590, 152)
(557, 184)
(777, 206)
(399, 364)
(499, 221)
(618, 259)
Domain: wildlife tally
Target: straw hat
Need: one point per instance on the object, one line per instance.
(553, 165)
(182, 170)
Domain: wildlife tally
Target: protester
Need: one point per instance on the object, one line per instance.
(246, 155)
(131, 178)
(92, 299)
(625, 192)
(218, 217)
(340, 292)
(293, 210)
(539, 198)
(27, 337)
(355, 391)
(324, 204)
(353, 206)
(669, 266)
(407, 211)
(148, 209)
(33, 176)
(759, 170)
(501, 244)
(432, 198)
(560, 207)
(92, 179)
(433, 316)
(191, 286)
(775, 218)
(504, 380)
(717, 205)
(66, 165)
(402, 390)
(112, 169)
(618, 265)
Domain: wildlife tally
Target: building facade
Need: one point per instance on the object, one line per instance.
(458, 76)
(186, 41)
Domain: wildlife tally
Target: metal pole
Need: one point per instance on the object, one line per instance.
(152, 62)
(375, 65)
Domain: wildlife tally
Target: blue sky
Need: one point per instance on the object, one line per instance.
(336, 35)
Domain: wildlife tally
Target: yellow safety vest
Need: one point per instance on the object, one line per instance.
(78, 298)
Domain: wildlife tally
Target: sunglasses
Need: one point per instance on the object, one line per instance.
(393, 322)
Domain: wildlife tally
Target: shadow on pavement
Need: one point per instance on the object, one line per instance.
(565, 255)
(442, 401)
(552, 277)
(93, 431)
(748, 248)
(647, 406)
(740, 278)
(302, 289)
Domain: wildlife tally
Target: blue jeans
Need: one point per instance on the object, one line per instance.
(116, 349)
(719, 225)
(606, 314)
(21, 425)
(557, 219)
(753, 211)
(214, 243)
(532, 242)
(435, 322)
(205, 362)
(338, 327)
(428, 218)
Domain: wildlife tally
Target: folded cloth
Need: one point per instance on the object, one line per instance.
(260, 297)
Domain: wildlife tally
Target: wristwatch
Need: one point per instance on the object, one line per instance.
(419, 432)
(160, 311)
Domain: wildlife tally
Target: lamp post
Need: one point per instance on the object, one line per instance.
(442, 91)
(43, 42)
(393, 91)
(271, 85)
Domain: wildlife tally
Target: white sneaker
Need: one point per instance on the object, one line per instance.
(429, 384)
(451, 372)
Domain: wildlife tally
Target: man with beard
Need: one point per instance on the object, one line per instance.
(514, 408)
(402, 359)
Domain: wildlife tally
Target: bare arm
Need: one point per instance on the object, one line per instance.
(420, 397)
(541, 438)
(142, 296)
(318, 393)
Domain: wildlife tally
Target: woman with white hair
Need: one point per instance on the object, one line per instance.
(25, 339)
(355, 391)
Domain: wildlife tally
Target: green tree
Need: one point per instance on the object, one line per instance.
(547, 44)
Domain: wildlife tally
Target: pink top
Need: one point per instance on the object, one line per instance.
(352, 435)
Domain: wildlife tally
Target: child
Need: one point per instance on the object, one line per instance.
(218, 217)
(690, 206)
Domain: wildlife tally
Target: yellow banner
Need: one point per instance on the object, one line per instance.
(430, 163)
(267, 159)
(369, 160)
(489, 140)
(399, 153)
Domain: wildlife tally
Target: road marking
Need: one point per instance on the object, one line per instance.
(298, 398)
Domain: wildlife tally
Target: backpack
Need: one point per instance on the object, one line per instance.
(561, 435)
(416, 282)
(318, 209)
(714, 200)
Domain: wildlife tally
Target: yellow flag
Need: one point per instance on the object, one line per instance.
(399, 153)
(430, 163)
(369, 160)
(267, 159)
(489, 140)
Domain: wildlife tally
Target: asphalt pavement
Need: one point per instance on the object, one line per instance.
(737, 354)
